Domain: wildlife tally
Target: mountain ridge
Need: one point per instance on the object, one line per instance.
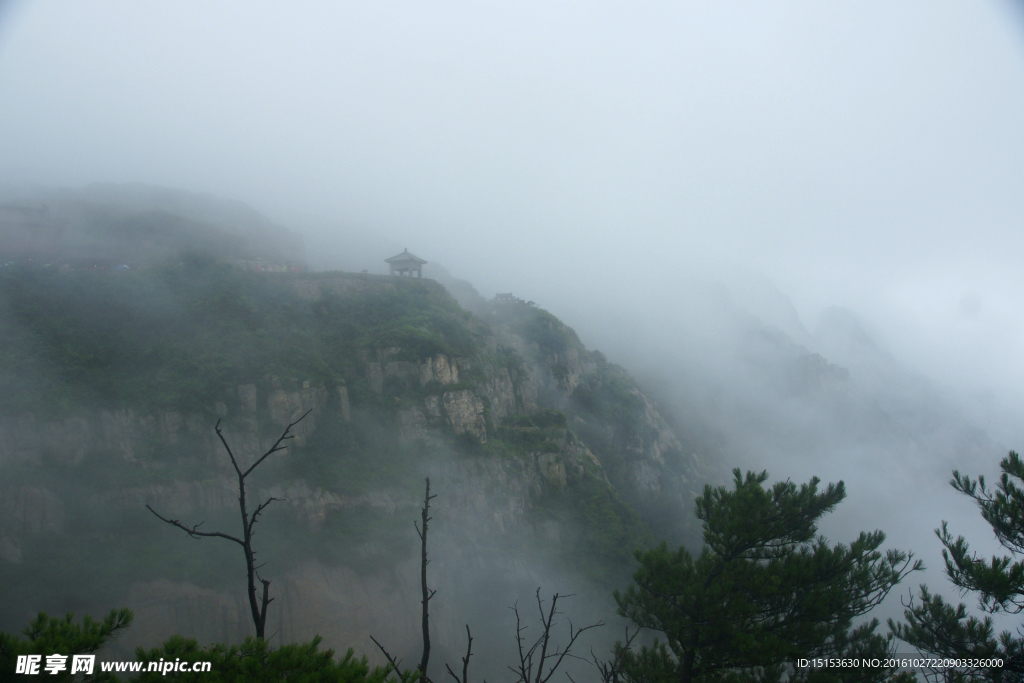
(541, 450)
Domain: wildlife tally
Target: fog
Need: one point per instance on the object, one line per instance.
(657, 176)
(864, 156)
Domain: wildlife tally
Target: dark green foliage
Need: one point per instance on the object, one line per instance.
(182, 337)
(612, 530)
(51, 635)
(764, 590)
(547, 331)
(936, 627)
(177, 336)
(351, 458)
(999, 583)
(610, 395)
(598, 525)
(537, 421)
(656, 664)
(416, 317)
(510, 360)
(542, 431)
(616, 427)
(254, 662)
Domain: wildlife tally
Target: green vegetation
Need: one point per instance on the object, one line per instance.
(254, 662)
(537, 326)
(610, 395)
(543, 431)
(936, 627)
(763, 592)
(418, 318)
(596, 524)
(251, 662)
(550, 333)
(51, 635)
(177, 344)
(177, 336)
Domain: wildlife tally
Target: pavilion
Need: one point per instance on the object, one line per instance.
(405, 264)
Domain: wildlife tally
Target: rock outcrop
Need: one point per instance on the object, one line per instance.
(531, 441)
(465, 412)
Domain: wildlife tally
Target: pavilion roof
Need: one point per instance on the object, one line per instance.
(405, 257)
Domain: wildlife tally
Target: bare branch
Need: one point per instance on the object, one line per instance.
(285, 435)
(259, 509)
(465, 660)
(546, 635)
(194, 531)
(540, 604)
(224, 441)
(387, 655)
(257, 608)
(610, 671)
(526, 657)
(523, 671)
(566, 651)
(266, 600)
(427, 592)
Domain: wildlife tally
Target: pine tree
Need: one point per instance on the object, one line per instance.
(47, 635)
(764, 592)
(939, 629)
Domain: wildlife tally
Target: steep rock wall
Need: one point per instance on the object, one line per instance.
(514, 431)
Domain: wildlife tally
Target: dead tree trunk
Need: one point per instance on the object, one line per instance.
(258, 608)
(465, 660)
(427, 593)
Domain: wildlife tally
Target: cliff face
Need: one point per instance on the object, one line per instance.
(547, 460)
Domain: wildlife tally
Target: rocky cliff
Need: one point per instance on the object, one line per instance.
(549, 462)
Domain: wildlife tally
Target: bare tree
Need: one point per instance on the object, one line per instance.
(528, 656)
(259, 609)
(537, 654)
(612, 671)
(427, 595)
(465, 660)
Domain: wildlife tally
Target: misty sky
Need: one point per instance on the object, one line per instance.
(584, 155)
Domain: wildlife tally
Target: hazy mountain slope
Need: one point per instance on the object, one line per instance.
(549, 463)
(105, 225)
(833, 404)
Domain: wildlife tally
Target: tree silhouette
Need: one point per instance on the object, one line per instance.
(258, 608)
